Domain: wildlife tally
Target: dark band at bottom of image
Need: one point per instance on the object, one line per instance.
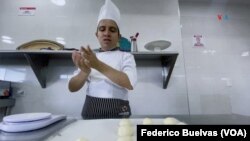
(215, 132)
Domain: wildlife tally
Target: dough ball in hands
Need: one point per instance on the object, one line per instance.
(81, 139)
(125, 122)
(125, 138)
(170, 121)
(147, 121)
(125, 131)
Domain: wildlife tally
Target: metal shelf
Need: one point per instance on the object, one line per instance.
(39, 60)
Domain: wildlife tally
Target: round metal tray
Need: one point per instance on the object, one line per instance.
(41, 45)
(157, 45)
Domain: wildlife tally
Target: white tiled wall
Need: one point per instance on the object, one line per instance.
(209, 80)
(76, 23)
(217, 74)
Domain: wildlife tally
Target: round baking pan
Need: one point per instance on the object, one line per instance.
(157, 45)
(41, 45)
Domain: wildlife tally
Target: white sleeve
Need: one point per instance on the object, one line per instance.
(129, 67)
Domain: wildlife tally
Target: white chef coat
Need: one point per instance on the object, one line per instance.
(102, 87)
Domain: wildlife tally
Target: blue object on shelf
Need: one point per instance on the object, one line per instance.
(125, 44)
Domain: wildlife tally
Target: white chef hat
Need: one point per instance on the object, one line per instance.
(109, 11)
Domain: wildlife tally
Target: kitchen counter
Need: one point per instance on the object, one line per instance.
(222, 119)
(107, 129)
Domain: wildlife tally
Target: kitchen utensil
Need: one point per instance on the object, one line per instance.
(134, 47)
(41, 45)
(157, 45)
(25, 117)
(28, 121)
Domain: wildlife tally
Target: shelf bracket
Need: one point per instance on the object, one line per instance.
(168, 63)
(38, 63)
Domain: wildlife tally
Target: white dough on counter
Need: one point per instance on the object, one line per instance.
(147, 121)
(125, 138)
(125, 122)
(181, 123)
(170, 121)
(125, 131)
(81, 139)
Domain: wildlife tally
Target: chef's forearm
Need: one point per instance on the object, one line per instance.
(77, 82)
(118, 77)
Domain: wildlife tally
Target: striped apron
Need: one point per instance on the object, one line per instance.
(101, 108)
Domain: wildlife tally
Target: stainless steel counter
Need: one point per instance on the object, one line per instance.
(206, 119)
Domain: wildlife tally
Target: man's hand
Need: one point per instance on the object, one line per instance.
(79, 62)
(76, 57)
(90, 58)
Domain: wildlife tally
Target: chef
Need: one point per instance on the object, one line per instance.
(109, 74)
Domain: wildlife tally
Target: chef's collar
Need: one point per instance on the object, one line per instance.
(113, 49)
